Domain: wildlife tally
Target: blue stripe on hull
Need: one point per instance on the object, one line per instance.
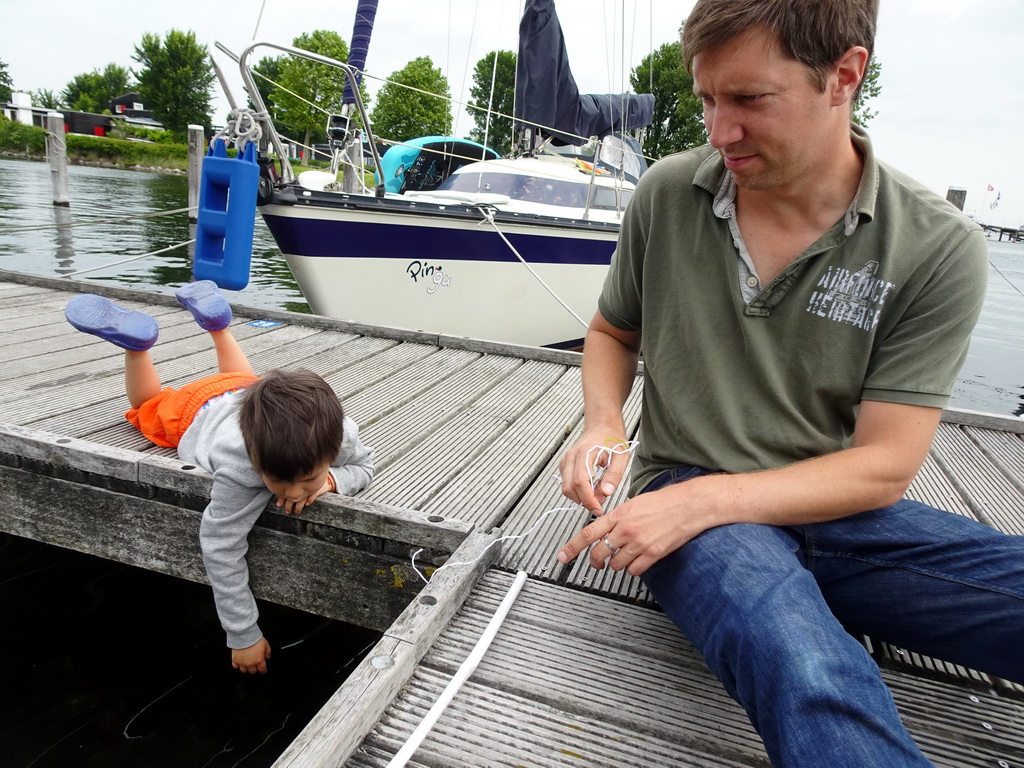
(354, 239)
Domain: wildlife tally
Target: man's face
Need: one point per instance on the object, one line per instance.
(762, 113)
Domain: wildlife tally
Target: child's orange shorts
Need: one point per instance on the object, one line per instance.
(163, 419)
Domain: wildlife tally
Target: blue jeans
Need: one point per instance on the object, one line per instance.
(769, 608)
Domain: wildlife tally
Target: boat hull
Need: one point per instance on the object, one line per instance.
(445, 269)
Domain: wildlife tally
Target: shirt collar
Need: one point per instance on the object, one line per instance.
(713, 176)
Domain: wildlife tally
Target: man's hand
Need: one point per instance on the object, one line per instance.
(599, 447)
(252, 659)
(640, 532)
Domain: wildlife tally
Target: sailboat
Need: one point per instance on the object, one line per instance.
(454, 239)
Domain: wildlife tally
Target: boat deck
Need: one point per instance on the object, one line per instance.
(585, 670)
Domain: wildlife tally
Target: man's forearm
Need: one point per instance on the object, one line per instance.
(609, 368)
(890, 445)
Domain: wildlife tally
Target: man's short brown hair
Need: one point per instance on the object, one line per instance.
(814, 32)
(292, 424)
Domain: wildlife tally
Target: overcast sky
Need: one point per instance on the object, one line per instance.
(951, 111)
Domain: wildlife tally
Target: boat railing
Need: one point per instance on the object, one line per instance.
(287, 175)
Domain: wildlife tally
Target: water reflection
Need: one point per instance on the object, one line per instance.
(107, 226)
(107, 665)
(65, 241)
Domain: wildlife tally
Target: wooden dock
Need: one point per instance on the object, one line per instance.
(585, 671)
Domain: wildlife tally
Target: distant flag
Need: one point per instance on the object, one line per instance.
(991, 188)
(996, 201)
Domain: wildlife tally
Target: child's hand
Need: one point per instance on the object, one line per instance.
(252, 659)
(296, 507)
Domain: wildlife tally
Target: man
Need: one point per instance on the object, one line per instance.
(804, 310)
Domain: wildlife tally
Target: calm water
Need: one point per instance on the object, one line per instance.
(992, 379)
(104, 665)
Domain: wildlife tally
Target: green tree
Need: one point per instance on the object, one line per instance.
(46, 98)
(678, 121)
(92, 91)
(498, 133)
(267, 75)
(402, 114)
(869, 89)
(6, 85)
(309, 91)
(175, 80)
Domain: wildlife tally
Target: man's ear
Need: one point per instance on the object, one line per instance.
(849, 71)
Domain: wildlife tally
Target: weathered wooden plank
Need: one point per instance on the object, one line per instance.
(371, 372)
(934, 487)
(401, 431)
(983, 420)
(628, 690)
(993, 498)
(105, 379)
(485, 726)
(341, 582)
(1005, 449)
(517, 457)
(665, 695)
(425, 470)
(351, 712)
(393, 389)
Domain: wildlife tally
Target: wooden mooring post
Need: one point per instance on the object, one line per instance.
(57, 156)
(196, 149)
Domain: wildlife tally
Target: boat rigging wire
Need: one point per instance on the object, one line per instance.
(133, 258)
(488, 214)
(112, 220)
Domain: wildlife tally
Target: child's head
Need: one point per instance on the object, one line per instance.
(292, 424)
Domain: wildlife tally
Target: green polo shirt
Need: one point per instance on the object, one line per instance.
(882, 310)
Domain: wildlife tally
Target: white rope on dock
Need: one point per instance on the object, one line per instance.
(461, 675)
(601, 459)
(488, 214)
(133, 258)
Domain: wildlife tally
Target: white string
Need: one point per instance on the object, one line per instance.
(597, 470)
(489, 217)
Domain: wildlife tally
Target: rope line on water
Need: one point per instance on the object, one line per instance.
(125, 261)
(112, 220)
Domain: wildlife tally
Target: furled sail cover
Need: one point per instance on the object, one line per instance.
(362, 28)
(546, 92)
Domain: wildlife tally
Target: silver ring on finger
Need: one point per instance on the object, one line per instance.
(614, 550)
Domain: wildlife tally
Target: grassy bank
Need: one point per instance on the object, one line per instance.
(30, 141)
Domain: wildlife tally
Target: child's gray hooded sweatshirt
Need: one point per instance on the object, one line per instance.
(238, 497)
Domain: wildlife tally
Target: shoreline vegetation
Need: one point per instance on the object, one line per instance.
(29, 142)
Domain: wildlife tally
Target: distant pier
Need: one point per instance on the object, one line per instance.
(1012, 235)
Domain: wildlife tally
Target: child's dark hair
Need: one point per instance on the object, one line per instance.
(291, 423)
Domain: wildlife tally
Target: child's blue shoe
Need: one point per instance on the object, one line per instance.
(127, 328)
(204, 300)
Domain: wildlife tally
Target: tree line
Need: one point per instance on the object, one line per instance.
(174, 78)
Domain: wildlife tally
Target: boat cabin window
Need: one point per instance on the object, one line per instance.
(537, 189)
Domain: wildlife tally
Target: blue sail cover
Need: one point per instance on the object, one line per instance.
(546, 92)
(366, 11)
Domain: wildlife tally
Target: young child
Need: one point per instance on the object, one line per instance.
(283, 435)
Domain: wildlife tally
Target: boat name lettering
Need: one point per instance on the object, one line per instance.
(421, 270)
(418, 269)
